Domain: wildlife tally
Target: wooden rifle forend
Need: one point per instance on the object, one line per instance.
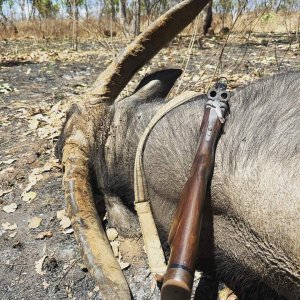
(184, 235)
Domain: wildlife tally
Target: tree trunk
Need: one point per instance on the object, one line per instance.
(6, 22)
(113, 10)
(87, 13)
(22, 5)
(75, 14)
(122, 12)
(136, 15)
(147, 8)
(3, 20)
(207, 17)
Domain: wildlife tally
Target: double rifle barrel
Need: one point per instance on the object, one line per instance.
(184, 235)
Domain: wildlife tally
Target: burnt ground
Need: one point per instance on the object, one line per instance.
(39, 257)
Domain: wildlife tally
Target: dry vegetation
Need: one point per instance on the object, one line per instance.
(260, 21)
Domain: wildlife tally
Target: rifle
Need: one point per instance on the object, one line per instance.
(184, 235)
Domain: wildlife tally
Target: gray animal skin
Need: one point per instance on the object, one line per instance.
(250, 235)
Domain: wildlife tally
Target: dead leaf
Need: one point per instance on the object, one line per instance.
(5, 88)
(9, 161)
(7, 170)
(28, 196)
(68, 231)
(112, 234)
(60, 214)
(226, 294)
(123, 265)
(39, 265)
(43, 234)
(45, 284)
(65, 222)
(10, 208)
(13, 234)
(8, 226)
(35, 222)
(33, 179)
(3, 192)
(52, 163)
(196, 78)
(33, 124)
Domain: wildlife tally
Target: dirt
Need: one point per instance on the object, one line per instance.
(36, 78)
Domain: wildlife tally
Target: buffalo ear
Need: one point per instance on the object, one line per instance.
(157, 84)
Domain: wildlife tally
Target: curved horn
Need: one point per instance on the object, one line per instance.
(86, 223)
(90, 234)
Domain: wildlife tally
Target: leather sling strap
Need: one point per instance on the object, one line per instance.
(153, 248)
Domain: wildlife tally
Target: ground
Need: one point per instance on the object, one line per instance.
(39, 257)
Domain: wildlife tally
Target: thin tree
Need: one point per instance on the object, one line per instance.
(75, 14)
(113, 10)
(22, 6)
(4, 20)
(122, 13)
(207, 17)
(87, 13)
(136, 16)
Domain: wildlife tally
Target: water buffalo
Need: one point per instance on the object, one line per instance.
(251, 230)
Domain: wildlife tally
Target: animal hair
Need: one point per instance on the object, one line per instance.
(255, 187)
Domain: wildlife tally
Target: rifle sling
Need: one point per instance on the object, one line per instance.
(153, 248)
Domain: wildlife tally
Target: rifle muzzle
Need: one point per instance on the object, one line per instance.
(178, 284)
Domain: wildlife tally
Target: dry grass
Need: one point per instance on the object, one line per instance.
(60, 29)
(262, 21)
